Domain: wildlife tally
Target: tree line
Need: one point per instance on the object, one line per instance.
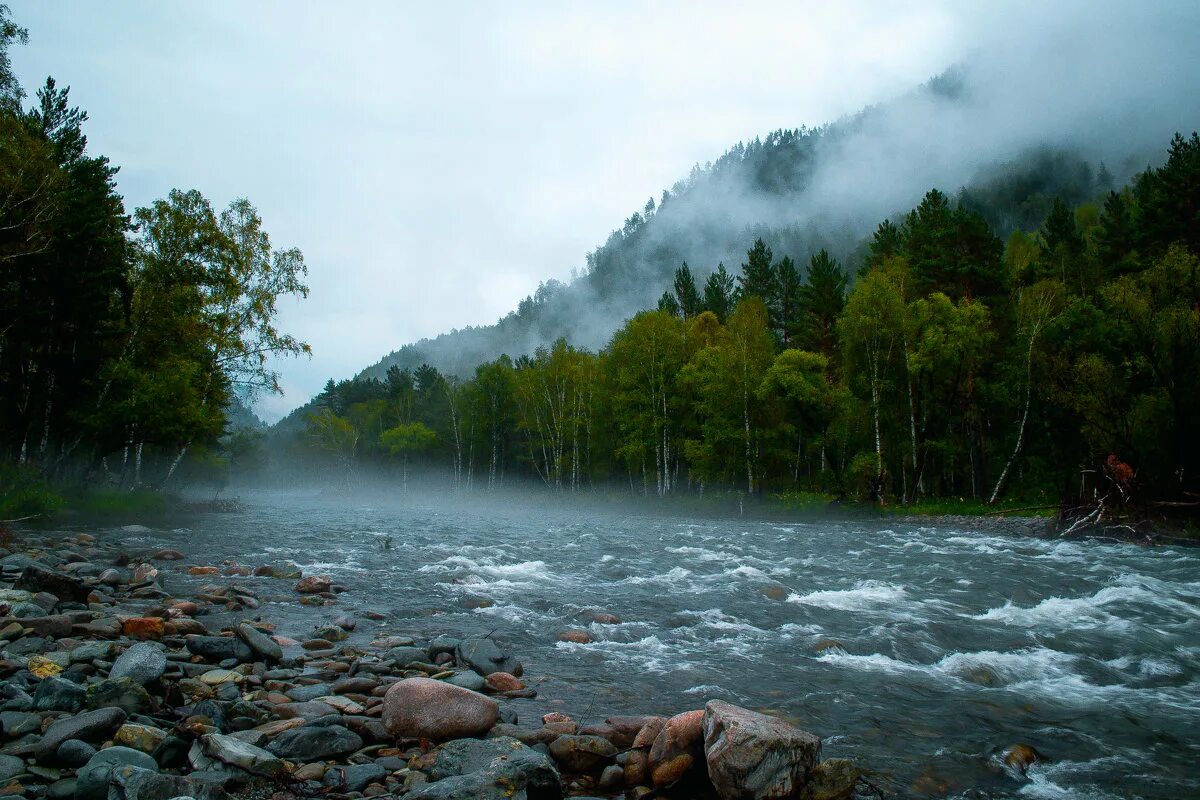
(125, 336)
(1061, 363)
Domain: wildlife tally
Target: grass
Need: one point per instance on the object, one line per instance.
(102, 501)
(24, 493)
(957, 506)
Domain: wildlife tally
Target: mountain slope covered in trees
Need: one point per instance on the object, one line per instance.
(765, 189)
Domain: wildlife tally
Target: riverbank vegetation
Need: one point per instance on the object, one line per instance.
(127, 337)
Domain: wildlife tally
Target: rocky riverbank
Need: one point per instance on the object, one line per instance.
(113, 688)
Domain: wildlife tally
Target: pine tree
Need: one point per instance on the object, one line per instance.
(787, 300)
(686, 294)
(821, 300)
(758, 278)
(719, 291)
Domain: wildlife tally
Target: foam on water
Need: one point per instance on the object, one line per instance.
(865, 596)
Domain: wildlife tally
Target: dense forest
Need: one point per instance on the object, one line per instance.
(1062, 362)
(128, 340)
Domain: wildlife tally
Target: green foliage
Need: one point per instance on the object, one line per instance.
(125, 339)
(24, 492)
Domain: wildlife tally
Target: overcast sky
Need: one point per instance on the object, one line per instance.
(434, 164)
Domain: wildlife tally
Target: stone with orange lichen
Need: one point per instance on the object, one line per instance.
(143, 628)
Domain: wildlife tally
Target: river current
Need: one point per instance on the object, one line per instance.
(921, 651)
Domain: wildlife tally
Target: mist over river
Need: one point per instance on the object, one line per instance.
(920, 651)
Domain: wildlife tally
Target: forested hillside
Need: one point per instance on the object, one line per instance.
(771, 188)
(1004, 343)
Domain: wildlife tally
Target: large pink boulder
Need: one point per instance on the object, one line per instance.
(422, 708)
(752, 756)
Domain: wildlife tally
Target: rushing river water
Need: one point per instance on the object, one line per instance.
(921, 651)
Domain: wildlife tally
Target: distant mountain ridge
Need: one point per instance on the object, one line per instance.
(758, 189)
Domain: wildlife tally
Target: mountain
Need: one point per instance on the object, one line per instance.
(799, 190)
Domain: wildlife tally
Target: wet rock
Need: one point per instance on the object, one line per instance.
(262, 644)
(36, 578)
(490, 769)
(503, 682)
(1021, 757)
(167, 555)
(356, 685)
(59, 694)
(611, 778)
(345, 623)
(242, 755)
(678, 748)
(135, 783)
(302, 694)
(216, 677)
(143, 573)
(331, 633)
(752, 756)
(355, 777)
(55, 626)
(15, 724)
(219, 648)
(10, 767)
(315, 742)
(834, 779)
(485, 657)
(468, 680)
(74, 753)
(110, 577)
(313, 584)
(91, 726)
(143, 628)
(444, 644)
(575, 636)
(146, 738)
(312, 709)
(199, 571)
(422, 708)
(15, 698)
(620, 730)
(93, 651)
(91, 783)
(582, 754)
(310, 772)
(405, 655)
(637, 769)
(317, 644)
(142, 663)
(123, 693)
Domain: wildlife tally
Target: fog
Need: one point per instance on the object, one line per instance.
(1105, 85)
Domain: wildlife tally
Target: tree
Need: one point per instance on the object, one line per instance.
(719, 291)
(686, 292)
(1037, 305)
(787, 300)
(725, 377)
(820, 301)
(407, 439)
(758, 276)
(800, 379)
(644, 358)
(952, 249)
(222, 278)
(869, 332)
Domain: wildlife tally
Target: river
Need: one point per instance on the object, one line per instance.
(922, 651)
